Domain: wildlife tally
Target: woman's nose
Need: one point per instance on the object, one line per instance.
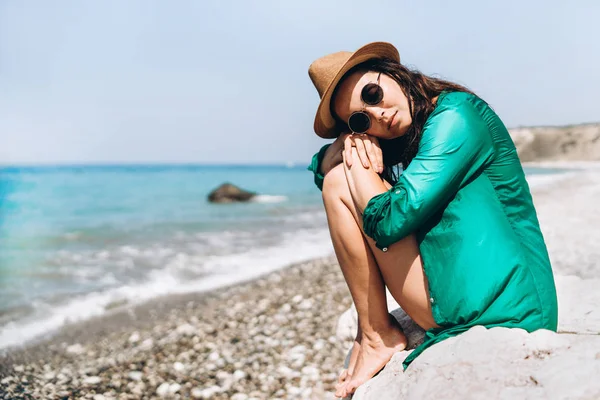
(376, 113)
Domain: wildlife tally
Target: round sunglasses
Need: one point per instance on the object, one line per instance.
(371, 94)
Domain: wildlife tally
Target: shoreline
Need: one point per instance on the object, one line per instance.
(137, 316)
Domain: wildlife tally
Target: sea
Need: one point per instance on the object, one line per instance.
(80, 241)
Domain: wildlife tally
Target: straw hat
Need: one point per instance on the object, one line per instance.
(327, 71)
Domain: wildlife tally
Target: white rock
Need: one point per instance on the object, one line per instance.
(99, 397)
(305, 304)
(186, 330)
(287, 372)
(135, 375)
(297, 298)
(294, 391)
(174, 388)
(19, 368)
(7, 380)
(578, 301)
(92, 380)
(163, 389)
(238, 374)
(319, 344)
(286, 308)
(179, 367)
(311, 372)
(75, 349)
(49, 375)
(205, 393)
(210, 366)
(497, 363)
(134, 338)
(147, 344)
(223, 376)
(239, 396)
(214, 356)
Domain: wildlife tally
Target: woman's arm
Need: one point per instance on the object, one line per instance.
(455, 145)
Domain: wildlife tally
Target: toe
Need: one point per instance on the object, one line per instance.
(350, 388)
(340, 390)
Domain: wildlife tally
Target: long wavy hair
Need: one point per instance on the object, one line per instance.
(420, 90)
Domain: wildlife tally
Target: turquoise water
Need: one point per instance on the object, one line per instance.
(77, 232)
(75, 241)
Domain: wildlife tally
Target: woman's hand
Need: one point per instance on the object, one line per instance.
(368, 149)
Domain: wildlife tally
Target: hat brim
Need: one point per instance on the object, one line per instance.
(324, 122)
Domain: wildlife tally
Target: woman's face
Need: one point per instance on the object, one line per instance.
(389, 119)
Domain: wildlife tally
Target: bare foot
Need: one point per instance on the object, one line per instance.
(347, 373)
(374, 354)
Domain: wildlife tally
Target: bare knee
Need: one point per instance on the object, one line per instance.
(335, 184)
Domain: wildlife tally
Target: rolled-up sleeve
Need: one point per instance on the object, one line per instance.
(456, 145)
(315, 166)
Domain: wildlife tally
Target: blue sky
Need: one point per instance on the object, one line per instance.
(226, 81)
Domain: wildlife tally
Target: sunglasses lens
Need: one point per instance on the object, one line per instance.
(372, 94)
(359, 122)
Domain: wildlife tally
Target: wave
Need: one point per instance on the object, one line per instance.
(218, 271)
(267, 198)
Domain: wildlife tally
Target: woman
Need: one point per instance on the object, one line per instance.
(455, 237)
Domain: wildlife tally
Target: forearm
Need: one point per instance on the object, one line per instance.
(364, 183)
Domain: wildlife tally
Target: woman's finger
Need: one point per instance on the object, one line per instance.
(370, 149)
(348, 150)
(378, 153)
(362, 153)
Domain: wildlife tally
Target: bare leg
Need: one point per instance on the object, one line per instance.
(364, 267)
(359, 269)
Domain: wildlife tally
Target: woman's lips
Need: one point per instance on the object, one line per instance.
(392, 120)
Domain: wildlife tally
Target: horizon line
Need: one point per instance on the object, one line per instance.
(52, 164)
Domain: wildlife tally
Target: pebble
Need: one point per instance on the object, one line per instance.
(237, 375)
(92, 380)
(135, 375)
(186, 330)
(163, 389)
(179, 367)
(75, 349)
(207, 393)
(174, 388)
(134, 338)
(146, 344)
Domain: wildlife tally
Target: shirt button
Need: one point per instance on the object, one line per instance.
(432, 300)
(384, 249)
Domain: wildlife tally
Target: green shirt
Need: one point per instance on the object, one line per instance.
(465, 197)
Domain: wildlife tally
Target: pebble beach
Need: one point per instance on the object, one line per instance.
(271, 338)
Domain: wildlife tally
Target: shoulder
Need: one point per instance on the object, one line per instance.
(455, 110)
(462, 102)
(457, 117)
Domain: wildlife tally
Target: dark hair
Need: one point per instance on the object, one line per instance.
(420, 90)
